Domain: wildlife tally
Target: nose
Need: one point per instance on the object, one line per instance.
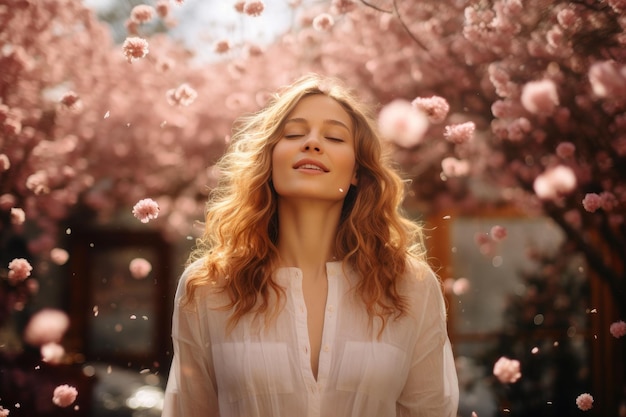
(312, 143)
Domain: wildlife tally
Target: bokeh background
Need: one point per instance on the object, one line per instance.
(519, 176)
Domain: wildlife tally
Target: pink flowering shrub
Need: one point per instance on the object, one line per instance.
(584, 402)
(507, 370)
(618, 329)
(146, 210)
(64, 395)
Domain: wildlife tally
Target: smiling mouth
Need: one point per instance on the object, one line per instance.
(310, 166)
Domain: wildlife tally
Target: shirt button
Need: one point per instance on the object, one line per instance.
(331, 308)
(326, 348)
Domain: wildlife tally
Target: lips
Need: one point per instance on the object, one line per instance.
(310, 164)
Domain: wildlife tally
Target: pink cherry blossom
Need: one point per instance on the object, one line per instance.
(343, 6)
(46, 326)
(461, 286)
(239, 5)
(565, 150)
(221, 46)
(253, 8)
(64, 395)
(567, 18)
(19, 270)
(618, 329)
(555, 182)
(498, 233)
(139, 268)
(134, 48)
(59, 256)
(183, 95)
(162, 8)
(38, 182)
(4, 412)
(323, 22)
(435, 107)
(52, 353)
(17, 216)
(453, 167)
(460, 133)
(146, 210)
(584, 402)
(71, 101)
(5, 163)
(507, 370)
(619, 6)
(402, 123)
(592, 202)
(540, 97)
(608, 200)
(608, 79)
(253, 50)
(142, 13)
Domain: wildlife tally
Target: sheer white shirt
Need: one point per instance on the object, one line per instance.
(260, 372)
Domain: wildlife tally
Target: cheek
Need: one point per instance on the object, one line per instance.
(280, 158)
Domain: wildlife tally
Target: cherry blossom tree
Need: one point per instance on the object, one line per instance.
(525, 106)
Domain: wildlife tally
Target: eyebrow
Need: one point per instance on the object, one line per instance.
(326, 121)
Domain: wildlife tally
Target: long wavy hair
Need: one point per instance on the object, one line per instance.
(238, 246)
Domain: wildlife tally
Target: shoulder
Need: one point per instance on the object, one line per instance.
(419, 275)
(196, 286)
(422, 287)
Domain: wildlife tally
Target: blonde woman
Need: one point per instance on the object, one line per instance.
(308, 293)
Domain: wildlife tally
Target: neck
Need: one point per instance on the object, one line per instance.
(307, 232)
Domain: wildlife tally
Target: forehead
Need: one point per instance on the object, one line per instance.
(319, 108)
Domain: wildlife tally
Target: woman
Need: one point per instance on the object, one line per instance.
(309, 294)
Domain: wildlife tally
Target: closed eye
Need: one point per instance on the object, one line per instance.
(335, 139)
(292, 136)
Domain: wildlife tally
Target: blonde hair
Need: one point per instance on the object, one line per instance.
(238, 246)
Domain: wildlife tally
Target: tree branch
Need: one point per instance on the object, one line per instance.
(396, 11)
(406, 28)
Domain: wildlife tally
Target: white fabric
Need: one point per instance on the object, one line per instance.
(256, 372)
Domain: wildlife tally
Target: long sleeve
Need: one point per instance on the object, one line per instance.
(191, 387)
(431, 389)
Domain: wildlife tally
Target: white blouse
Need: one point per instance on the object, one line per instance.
(262, 372)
